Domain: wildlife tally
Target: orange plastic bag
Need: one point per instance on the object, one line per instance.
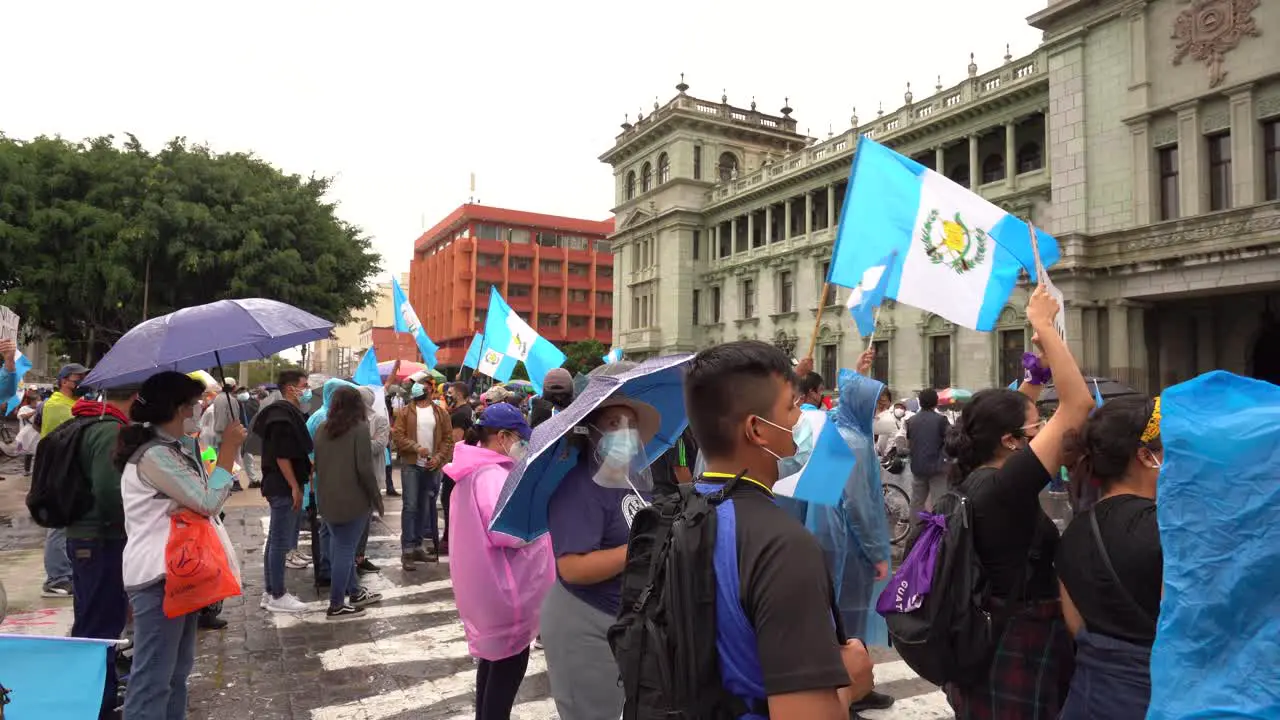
(197, 573)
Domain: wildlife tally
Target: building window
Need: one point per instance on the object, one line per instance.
(487, 260)
(940, 362)
(1030, 157)
(635, 311)
(960, 175)
(880, 365)
(697, 162)
(604, 271)
(551, 267)
(549, 320)
(728, 167)
(602, 246)
(1220, 171)
(1271, 158)
(573, 242)
(519, 237)
(550, 294)
(646, 177)
(487, 232)
(785, 289)
(664, 168)
(726, 241)
(830, 363)
(748, 299)
(631, 185)
(993, 169)
(519, 291)
(520, 263)
(548, 239)
(1167, 161)
(578, 321)
(579, 269)
(697, 300)
(604, 298)
(635, 255)
(604, 325)
(826, 292)
(1012, 344)
(579, 296)
(482, 314)
(715, 306)
(697, 244)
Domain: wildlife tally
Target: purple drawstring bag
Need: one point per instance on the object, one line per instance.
(910, 584)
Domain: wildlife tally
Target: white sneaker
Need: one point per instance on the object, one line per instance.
(302, 556)
(266, 600)
(295, 561)
(286, 603)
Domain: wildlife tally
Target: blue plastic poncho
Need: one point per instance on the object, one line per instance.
(855, 535)
(1218, 639)
(313, 423)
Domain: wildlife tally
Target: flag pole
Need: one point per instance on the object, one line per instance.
(817, 322)
(871, 340)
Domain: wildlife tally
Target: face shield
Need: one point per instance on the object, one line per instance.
(617, 453)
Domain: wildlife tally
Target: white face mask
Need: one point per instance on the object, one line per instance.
(899, 412)
(518, 449)
(189, 424)
(243, 397)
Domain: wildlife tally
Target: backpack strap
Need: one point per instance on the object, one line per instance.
(1106, 560)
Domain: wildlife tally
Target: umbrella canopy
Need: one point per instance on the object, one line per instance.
(204, 336)
(522, 506)
(407, 368)
(524, 385)
(1106, 388)
(954, 396)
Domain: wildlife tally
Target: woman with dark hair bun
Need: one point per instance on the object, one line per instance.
(161, 473)
(1005, 454)
(1110, 563)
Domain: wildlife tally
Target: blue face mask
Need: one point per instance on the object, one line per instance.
(619, 446)
(802, 435)
(306, 396)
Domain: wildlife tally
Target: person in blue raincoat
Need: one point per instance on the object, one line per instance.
(855, 535)
(320, 552)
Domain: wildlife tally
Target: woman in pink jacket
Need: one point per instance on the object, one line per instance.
(499, 581)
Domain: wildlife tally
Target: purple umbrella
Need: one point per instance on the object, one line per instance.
(203, 336)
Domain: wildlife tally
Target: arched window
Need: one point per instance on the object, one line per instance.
(728, 166)
(993, 168)
(646, 177)
(960, 175)
(631, 185)
(664, 168)
(1030, 157)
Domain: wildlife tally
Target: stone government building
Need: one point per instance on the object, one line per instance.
(1144, 134)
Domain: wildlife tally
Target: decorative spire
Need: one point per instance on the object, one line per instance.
(753, 103)
(853, 119)
(682, 86)
(724, 96)
(626, 121)
(973, 66)
(908, 96)
(639, 116)
(830, 133)
(786, 107)
(938, 87)
(655, 103)
(1008, 55)
(880, 110)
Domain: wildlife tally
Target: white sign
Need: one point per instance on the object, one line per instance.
(1059, 320)
(9, 321)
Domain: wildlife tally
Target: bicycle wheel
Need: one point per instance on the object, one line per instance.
(897, 508)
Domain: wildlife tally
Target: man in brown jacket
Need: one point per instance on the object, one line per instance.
(423, 437)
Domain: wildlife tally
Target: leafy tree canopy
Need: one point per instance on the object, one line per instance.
(583, 356)
(97, 236)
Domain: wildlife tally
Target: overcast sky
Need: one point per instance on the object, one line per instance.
(401, 101)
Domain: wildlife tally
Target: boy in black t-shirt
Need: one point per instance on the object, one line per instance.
(742, 404)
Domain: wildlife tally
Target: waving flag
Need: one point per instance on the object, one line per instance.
(869, 293)
(508, 339)
(472, 359)
(612, 356)
(407, 321)
(21, 366)
(959, 255)
(53, 677)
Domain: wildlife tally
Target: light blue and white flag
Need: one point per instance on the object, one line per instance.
(959, 255)
(1014, 385)
(53, 677)
(472, 358)
(508, 339)
(612, 356)
(21, 366)
(367, 375)
(406, 320)
(869, 293)
(1097, 394)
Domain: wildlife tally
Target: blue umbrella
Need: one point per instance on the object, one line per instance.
(522, 506)
(203, 336)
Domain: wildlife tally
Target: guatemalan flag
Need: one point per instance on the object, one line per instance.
(508, 339)
(472, 358)
(21, 365)
(959, 254)
(407, 321)
(867, 296)
(613, 356)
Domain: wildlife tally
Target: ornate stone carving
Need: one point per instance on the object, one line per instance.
(1164, 135)
(1212, 232)
(1209, 29)
(1215, 121)
(1268, 106)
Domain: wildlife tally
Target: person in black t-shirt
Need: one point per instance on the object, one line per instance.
(743, 406)
(1004, 456)
(1110, 564)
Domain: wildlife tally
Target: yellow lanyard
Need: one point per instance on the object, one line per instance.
(727, 476)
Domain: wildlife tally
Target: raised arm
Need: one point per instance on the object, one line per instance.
(1074, 401)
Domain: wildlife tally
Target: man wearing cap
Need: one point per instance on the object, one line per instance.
(423, 437)
(557, 394)
(57, 410)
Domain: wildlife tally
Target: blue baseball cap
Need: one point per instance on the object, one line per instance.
(503, 416)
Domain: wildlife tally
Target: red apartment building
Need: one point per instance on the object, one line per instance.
(556, 272)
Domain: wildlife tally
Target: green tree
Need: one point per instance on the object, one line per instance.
(98, 236)
(583, 356)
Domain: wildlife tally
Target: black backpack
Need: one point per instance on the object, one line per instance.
(60, 493)
(952, 637)
(665, 638)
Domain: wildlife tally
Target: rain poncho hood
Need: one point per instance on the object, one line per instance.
(1218, 636)
(499, 581)
(855, 535)
(330, 386)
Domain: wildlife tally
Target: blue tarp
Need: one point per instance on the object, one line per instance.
(1217, 648)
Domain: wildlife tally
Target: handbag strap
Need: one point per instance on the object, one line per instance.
(1106, 560)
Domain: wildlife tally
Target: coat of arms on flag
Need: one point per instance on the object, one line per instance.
(952, 242)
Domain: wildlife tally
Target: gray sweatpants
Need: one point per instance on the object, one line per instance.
(584, 676)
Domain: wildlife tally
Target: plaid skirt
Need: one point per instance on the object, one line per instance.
(1030, 672)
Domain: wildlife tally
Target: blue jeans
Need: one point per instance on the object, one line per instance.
(420, 488)
(164, 651)
(56, 564)
(101, 605)
(342, 554)
(284, 524)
